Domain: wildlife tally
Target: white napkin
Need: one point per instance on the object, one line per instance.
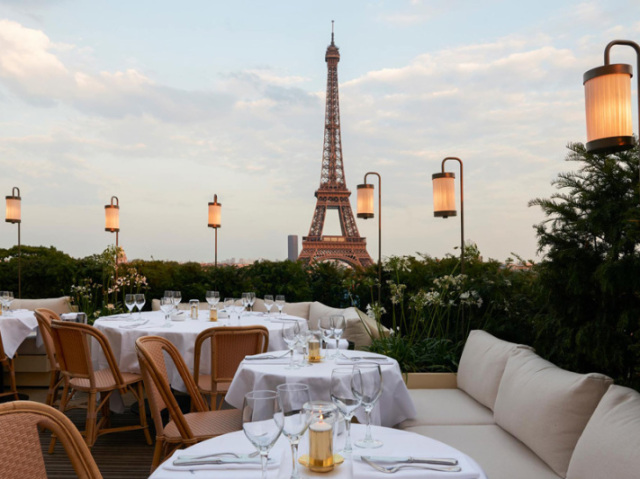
(117, 317)
(134, 325)
(355, 357)
(168, 464)
(362, 470)
(69, 316)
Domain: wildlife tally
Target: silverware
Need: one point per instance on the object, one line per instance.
(267, 356)
(394, 469)
(236, 459)
(234, 454)
(439, 461)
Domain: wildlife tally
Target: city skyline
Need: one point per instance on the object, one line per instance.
(164, 104)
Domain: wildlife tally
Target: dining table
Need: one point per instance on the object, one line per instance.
(15, 327)
(397, 445)
(393, 406)
(122, 330)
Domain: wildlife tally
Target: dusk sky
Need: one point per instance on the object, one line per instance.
(164, 103)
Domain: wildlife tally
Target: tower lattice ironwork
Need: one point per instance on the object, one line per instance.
(349, 247)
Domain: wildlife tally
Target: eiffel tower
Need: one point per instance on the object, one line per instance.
(349, 247)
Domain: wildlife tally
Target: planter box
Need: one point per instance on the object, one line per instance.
(430, 380)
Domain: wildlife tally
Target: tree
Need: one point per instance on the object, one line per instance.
(590, 274)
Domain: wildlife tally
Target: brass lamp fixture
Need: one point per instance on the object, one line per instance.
(14, 215)
(112, 217)
(365, 210)
(607, 92)
(215, 212)
(444, 199)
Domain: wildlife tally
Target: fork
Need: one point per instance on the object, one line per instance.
(394, 469)
(234, 454)
(268, 356)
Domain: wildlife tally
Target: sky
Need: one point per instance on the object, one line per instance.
(166, 103)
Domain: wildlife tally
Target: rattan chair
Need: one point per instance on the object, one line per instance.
(20, 451)
(72, 345)
(229, 346)
(7, 361)
(182, 429)
(44, 317)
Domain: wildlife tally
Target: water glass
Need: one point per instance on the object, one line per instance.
(262, 422)
(344, 399)
(140, 300)
(252, 299)
(280, 303)
(213, 297)
(166, 306)
(290, 334)
(326, 326)
(339, 325)
(366, 385)
(130, 302)
(293, 397)
(268, 303)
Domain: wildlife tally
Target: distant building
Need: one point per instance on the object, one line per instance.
(293, 248)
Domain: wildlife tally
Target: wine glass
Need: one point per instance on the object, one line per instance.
(305, 335)
(339, 325)
(293, 397)
(326, 326)
(280, 303)
(140, 300)
(262, 422)
(8, 299)
(166, 306)
(177, 297)
(290, 335)
(344, 399)
(130, 302)
(268, 303)
(213, 297)
(252, 299)
(244, 300)
(366, 385)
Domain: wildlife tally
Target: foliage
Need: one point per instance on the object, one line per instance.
(590, 274)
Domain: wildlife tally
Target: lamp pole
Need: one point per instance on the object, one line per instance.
(112, 224)
(14, 215)
(448, 209)
(215, 210)
(365, 210)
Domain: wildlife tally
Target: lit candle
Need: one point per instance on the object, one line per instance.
(213, 314)
(314, 350)
(321, 446)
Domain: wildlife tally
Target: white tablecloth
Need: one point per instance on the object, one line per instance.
(396, 443)
(15, 326)
(394, 406)
(122, 334)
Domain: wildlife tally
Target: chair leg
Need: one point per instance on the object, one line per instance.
(157, 453)
(92, 417)
(142, 410)
(53, 382)
(64, 400)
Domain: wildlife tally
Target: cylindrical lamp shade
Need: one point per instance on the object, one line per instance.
(444, 195)
(365, 201)
(14, 213)
(607, 93)
(112, 216)
(215, 212)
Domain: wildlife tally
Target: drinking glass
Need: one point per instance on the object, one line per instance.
(252, 299)
(130, 302)
(293, 397)
(280, 303)
(326, 326)
(245, 300)
(303, 338)
(366, 385)
(290, 335)
(262, 422)
(213, 297)
(339, 325)
(344, 399)
(177, 297)
(166, 306)
(140, 300)
(268, 303)
(8, 299)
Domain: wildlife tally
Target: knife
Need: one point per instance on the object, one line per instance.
(194, 461)
(442, 461)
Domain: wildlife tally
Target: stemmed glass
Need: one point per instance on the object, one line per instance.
(339, 325)
(290, 334)
(177, 297)
(252, 299)
(166, 306)
(262, 422)
(293, 397)
(326, 326)
(212, 298)
(344, 399)
(140, 300)
(7, 299)
(268, 303)
(366, 385)
(280, 303)
(245, 300)
(130, 302)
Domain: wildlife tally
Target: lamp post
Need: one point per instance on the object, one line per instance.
(14, 215)
(607, 92)
(112, 224)
(214, 221)
(444, 199)
(365, 210)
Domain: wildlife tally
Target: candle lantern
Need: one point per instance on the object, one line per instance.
(324, 415)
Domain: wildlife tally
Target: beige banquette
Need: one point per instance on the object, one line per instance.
(521, 416)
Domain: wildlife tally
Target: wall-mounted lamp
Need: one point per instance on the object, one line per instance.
(14, 215)
(444, 200)
(215, 210)
(365, 210)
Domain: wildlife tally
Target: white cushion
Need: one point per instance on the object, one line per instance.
(57, 305)
(296, 309)
(446, 407)
(318, 310)
(610, 444)
(500, 455)
(547, 407)
(482, 364)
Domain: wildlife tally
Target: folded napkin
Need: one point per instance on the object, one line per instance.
(134, 325)
(226, 462)
(362, 470)
(69, 316)
(358, 358)
(117, 317)
(284, 320)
